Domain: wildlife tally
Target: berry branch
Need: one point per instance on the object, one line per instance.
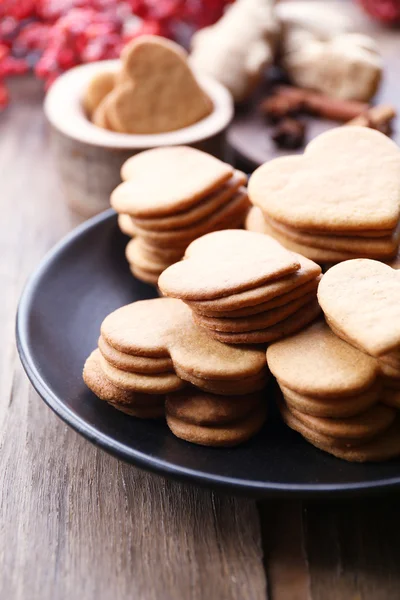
(51, 36)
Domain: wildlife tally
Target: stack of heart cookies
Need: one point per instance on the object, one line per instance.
(154, 91)
(123, 395)
(243, 287)
(361, 302)
(152, 348)
(332, 395)
(338, 201)
(171, 196)
(210, 420)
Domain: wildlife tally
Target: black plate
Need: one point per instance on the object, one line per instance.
(75, 287)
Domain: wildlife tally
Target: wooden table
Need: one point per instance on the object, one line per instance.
(76, 523)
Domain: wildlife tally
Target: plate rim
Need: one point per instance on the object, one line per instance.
(132, 455)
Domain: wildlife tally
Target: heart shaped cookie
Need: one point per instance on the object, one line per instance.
(99, 87)
(164, 328)
(211, 420)
(165, 181)
(316, 363)
(227, 262)
(380, 448)
(361, 300)
(347, 180)
(133, 403)
(159, 92)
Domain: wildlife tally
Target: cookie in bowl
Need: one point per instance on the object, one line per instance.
(103, 113)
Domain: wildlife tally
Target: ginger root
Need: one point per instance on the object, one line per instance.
(238, 48)
(319, 52)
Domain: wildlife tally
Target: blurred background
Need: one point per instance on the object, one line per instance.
(49, 37)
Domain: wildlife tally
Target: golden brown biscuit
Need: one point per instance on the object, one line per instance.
(159, 92)
(202, 408)
(148, 383)
(288, 326)
(361, 298)
(184, 177)
(163, 327)
(140, 259)
(313, 436)
(282, 300)
(389, 366)
(395, 262)
(361, 427)
(222, 263)
(340, 335)
(224, 435)
(230, 215)
(254, 322)
(307, 272)
(380, 448)
(125, 224)
(134, 364)
(315, 362)
(133, 403)
(160, 334)
(99, 116)
(348, 178)
(392, 359)
(145, 275)
(221, 387)
(374, 246)
(208, 205)
(336, 407)
(388, 370)
(256, 222)
(99, 87)
(141, 412)
(162, 252)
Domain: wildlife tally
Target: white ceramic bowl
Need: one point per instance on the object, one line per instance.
(90, 158)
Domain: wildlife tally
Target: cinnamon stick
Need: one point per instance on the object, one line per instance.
(335, 109)
(287, 100)
(378, 117)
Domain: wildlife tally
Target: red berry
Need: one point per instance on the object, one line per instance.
(13, 66)
(387, 11)
(58, 34)
(4, 98)
(17, 9)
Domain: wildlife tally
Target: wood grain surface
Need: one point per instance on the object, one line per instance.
(76, 523)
